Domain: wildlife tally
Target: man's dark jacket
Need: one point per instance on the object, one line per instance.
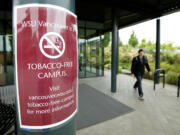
(138, 66)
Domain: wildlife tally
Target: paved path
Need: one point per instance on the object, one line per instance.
(158, 114)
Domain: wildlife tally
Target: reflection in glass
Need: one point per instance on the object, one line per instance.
(6, 60)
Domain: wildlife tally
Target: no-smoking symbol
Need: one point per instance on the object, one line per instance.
(52, 45)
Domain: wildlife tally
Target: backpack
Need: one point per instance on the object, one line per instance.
(145, 61)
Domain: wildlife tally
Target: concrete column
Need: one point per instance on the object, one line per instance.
(114, 53)
(157, 49)
(69, 127)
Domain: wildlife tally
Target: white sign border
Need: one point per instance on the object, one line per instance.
(16, 72)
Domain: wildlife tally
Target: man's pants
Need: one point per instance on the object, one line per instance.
(138, 84)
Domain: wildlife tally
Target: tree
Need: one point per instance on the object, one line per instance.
(150, 45)
(165, 46)
(143, 43)
(106, 39)
(133, 41)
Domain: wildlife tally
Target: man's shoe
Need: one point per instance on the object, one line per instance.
(141, 98)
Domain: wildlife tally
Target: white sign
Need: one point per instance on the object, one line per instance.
(57, 44)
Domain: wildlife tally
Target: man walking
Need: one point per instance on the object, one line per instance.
(137, 69)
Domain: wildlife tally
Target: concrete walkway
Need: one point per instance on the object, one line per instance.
(158, 114)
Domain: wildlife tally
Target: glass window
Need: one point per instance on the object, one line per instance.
(9, 59)
(91, 53)
(6, 60)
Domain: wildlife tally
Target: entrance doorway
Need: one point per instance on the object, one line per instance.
(91, 57)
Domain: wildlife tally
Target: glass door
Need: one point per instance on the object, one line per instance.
(2, 58)
(91, 53)
(82, 58)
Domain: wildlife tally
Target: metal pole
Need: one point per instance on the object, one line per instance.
(97, 62)
(97, 55)
(85, 57)
(4, 47)
(69, 127)
(5, 55)
(90, 45)
(102, 47)
(178, 86)
(117, 70)
(114, 52)
(157, 49)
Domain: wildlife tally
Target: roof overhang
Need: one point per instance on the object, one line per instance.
(129, 12)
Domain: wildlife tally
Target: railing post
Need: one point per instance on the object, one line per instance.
(178, 86)
(157, 49)
(154, 81)
(164, 78)
(158, 75)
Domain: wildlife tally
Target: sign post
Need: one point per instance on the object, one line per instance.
(46, 68)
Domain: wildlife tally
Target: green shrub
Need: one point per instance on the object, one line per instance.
(166, 66)
(146, 74)
(120, 69)
(125, 59)
(177, 58)
(170, 57)
(125, 62)
(170, 61)
(108, 66)
(125, 65)
(176, 68)
(172, 77)
(107, 61)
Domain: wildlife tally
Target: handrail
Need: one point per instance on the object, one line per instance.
(178, 86)
(163, 71)
(158, 75)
